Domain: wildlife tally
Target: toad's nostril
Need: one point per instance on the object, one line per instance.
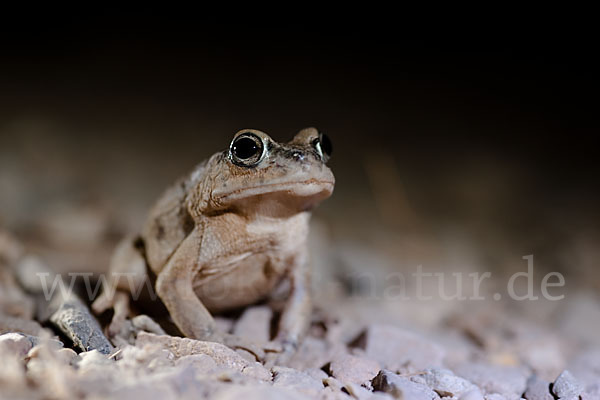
(298, 155)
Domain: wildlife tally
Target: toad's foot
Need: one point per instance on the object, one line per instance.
(122, 330)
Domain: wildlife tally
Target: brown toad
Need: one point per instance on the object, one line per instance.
(231, 231)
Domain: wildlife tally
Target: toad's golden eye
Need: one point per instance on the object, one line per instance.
(246, 150)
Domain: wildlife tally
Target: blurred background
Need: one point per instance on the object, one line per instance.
(452, 152)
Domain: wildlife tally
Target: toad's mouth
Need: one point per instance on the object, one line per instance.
(311, 188)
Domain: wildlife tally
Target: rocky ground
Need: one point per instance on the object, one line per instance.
(357, 348)
(455, 156)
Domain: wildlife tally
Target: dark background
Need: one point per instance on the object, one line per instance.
(487, 140)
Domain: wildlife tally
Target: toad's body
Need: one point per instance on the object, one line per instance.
(240, 258)
(261, 253)
(227, 234)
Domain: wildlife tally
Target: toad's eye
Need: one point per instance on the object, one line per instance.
(246, 150)
(323, 146)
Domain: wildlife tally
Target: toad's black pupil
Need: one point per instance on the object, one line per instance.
(245, 148)
(326, 144)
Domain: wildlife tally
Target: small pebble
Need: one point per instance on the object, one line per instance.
(16, 344)
(289, 377)
(473, 394)
(446, 384)
(538, 389)
(246, 355)
(402, 388)
(333, 384)
(68, 356)
(351, 369)
(396, 349)
(511, 382)
(255, 324)
(316, 373)
(93, 358)
(494, 396)
(567, 387)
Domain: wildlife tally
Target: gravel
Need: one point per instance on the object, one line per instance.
(348, 354)
(399, 350)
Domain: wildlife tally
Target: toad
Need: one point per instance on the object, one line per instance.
(230, 232)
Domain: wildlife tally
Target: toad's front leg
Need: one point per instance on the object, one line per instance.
(174, 286)
(295, 317)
